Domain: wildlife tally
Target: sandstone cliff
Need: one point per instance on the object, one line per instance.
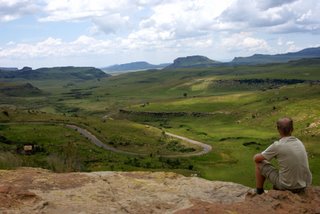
(29, 190)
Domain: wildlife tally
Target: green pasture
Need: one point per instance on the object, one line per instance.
(62, 149)
(239, 121)
(121, 134)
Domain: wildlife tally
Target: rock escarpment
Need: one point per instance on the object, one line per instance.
(29, 190)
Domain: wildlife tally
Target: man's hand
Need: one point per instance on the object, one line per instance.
(258, 158)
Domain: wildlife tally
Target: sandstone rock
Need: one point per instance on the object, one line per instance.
(272, 202)
(29, 190)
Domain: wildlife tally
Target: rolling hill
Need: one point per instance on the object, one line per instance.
(277, 58)
(19, 90)
(82, 73)
(133, 66)
(8, 69)
(198, 61)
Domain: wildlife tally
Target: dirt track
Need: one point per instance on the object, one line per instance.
(92, 138)
(97, 142)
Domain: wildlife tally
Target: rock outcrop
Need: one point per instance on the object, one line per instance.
(192, 62)
(29, 190)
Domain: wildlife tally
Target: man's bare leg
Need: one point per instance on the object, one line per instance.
(260, 179)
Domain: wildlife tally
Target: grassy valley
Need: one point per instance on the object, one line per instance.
(231, 108)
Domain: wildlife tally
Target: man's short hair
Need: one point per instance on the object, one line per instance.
(285, 125)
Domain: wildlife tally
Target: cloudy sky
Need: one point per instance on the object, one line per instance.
(99, 33)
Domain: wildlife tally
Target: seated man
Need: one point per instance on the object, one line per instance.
(294, 173)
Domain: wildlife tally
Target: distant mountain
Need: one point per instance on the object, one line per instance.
(133, 66)
(277, 58)
(82, 73)
(192, 62)
(8, 69)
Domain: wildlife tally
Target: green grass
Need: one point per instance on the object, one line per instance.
(242, 113)
(250, 117)
(122, 134)
(56, 153)
(62, 149)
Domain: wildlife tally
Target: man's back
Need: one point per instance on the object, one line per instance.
(294, 173)
(294, 170)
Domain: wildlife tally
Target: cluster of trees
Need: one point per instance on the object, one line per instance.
(161, 162)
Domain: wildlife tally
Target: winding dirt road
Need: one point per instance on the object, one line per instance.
(93, 139)
(98, 142)
(206, 148)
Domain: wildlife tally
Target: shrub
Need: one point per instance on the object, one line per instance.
(9, 160)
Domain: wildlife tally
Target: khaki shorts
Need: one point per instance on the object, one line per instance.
(271, 173)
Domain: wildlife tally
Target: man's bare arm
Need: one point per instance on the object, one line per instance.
(258, 158)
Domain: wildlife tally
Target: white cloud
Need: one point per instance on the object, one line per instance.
(151, 34)
(195, 44)
(54, 47)
(127, 28)
(142, 41)
(107, 16)
(280, 41)
(245, 13)
(291, 46)
(61, 10)
(245, 42)
(111, 23)
(185, 18)
(273, 16)
(267, 4)
(14, 9)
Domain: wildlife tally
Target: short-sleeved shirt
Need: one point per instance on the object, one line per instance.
(294, 172)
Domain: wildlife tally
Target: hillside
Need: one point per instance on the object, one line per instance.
(30, 190)
(19, 90)
(277, 58)
(305, 62)
(8, 69)
(133, 66)
(192, 62)
(82, 73)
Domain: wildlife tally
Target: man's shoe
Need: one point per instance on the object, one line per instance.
(253, 192)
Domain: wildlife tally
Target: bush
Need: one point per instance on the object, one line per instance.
(175, 146)
(9, 160)
(56, 163)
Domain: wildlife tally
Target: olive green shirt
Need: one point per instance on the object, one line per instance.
(294, 172)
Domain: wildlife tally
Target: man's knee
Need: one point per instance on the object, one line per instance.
(270, 172)
(263, 163)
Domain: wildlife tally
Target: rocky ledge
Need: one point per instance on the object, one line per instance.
(29, 190)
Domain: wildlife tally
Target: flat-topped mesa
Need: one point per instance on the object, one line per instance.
(25, 69)
(31, 190)
(196, 61)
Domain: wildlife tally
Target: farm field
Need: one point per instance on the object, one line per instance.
(233, 109)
